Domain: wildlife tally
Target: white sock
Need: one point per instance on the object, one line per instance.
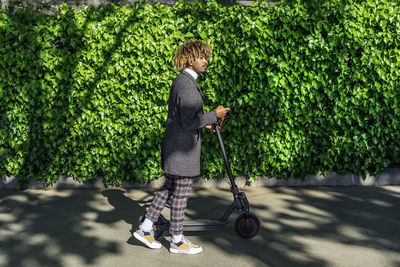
(177, 238)
(147, 225)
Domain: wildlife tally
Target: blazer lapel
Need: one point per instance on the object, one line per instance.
(195, 83)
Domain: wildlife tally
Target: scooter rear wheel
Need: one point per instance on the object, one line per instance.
(160, 227)
(247, 225)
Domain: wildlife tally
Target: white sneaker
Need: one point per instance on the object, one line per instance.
(147, 238)
(185, 247)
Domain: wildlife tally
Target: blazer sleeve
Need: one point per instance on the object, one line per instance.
(191, 111)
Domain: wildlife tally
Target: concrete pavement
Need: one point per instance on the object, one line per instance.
(300, 226)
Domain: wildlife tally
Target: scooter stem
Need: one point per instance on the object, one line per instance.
(234, 188)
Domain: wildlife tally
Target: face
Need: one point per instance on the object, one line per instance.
(199, 65)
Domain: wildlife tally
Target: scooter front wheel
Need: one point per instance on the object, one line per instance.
(247, 225)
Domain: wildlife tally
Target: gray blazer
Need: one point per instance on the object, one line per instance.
(181, 147)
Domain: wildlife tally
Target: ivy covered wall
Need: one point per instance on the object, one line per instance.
(315, 84)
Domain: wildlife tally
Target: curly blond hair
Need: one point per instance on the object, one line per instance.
(189, 51)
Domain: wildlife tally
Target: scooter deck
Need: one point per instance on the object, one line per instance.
(199, 225)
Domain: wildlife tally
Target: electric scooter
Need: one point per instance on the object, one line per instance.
(247, 224)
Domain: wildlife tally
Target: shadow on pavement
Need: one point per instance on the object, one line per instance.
(43, 227)
(127, 210)
(37, 230)
(363, 217)
(124, 208)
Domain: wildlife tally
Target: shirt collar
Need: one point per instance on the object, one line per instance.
(191, 72)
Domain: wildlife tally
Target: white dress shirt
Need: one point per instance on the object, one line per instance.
(191, 72)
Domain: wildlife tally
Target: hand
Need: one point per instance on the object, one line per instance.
(212, 128)
(221, 111)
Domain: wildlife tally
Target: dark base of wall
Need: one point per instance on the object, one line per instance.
(391, 176)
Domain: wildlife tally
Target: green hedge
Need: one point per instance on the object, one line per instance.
(315, 84)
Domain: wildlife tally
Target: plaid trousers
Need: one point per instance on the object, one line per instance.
(179, 189)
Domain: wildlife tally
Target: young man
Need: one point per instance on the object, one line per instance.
(181, 147)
